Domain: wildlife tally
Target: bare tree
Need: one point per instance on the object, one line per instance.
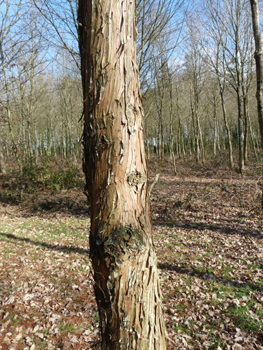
(157, 21)
(195, 71)
(10, 49)
(61, 17)
(214, 43)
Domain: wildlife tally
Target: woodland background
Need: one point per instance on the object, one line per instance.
(197, 72)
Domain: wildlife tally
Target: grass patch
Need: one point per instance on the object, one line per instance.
(181, 307)
(241, 318)
(227, 270)
(66, 327)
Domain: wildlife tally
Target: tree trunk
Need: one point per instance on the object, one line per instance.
(230, 151)
(8, 112)
(252, 138)
(2, 162)
(259, 62)
(36, 147)
(121, 248)
(196, 135)
(240, 133)
(245, 128)
(182, 138)
(239, 100)
(171, 143)
(162, 140)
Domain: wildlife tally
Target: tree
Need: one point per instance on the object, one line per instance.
(259, 62)
(121, 245)
(228, 29)
(214, 47)
(195, 69)
(10, 49)
(63, 25)
(157, 21)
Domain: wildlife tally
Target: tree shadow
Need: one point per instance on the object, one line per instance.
(193, 271)
(60, 205)
(182, 269)
(40, 198)
(60, 248)
(211, 227)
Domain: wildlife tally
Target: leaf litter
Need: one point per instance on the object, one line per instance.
(208, 235)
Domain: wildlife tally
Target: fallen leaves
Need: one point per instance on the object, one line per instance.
(46, 294)
(210, 252)
(212, 274)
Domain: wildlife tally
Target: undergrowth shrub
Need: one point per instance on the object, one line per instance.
(54, 176)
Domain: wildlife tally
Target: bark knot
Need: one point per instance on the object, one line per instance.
(135, 178)
(121, 240)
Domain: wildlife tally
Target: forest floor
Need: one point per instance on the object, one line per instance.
(207, 225)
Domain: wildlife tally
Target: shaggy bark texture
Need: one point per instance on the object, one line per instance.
(127, 286)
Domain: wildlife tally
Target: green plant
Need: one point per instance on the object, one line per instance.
(241, 318)
(181, 307)
(227, 270)
(66, 327)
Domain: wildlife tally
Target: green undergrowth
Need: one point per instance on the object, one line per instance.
(53, 176)
(47, 175)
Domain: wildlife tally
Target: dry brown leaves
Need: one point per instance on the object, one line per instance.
(210, 231)
(46, 285)
(207, 227)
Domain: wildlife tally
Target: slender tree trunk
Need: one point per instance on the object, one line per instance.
(158, 141)
(29, 141)
(252, 137)
(200, 138)
(2, 162)
(216, 129)
(40, 137)
(171, 146)
(162, 141)
(230, 151)
(214, 141)
(36, 147)
(245, 128)
(8, 113)
(196, 135)
(180, 131)
(240, 133)
(147, 141)
(259, 62)
(179, 144)
(182, 137)
(171, 143)
(121, 248)
(239, 97)
(218, 135)
(148, 148)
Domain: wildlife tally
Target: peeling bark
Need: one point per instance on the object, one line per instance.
(125, 270)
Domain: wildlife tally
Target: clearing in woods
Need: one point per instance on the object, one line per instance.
(207, 228)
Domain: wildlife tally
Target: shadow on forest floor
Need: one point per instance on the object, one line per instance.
(182, 269)
(64, 249)
(186, 270)
(201, 226)
(63, 203)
